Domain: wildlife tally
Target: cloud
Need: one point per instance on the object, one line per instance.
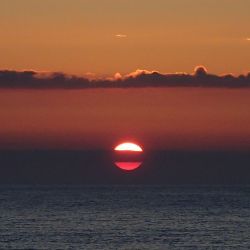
(120, 36)
(248, 39)
(117, 76)
(200, 70)
(139, 72)
(138, 78)
(33, 79)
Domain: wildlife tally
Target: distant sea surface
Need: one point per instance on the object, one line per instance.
(124, 217)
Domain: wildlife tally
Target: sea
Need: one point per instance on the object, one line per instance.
(124, 217)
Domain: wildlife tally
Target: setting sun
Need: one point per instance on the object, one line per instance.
(128, 156)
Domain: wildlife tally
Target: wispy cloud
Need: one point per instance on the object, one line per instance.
(120, 36)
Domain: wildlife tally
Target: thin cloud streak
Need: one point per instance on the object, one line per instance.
(120, 36)
(136, 79)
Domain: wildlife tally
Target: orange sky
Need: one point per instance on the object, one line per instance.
(108, 36)
(102, 37)
(158, 118)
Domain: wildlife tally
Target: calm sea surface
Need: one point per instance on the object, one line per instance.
(124, 217)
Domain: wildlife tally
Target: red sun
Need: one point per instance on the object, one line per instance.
(128, 156)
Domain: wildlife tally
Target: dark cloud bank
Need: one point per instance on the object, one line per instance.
(140, 78)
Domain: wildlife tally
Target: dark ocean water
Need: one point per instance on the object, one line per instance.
(124, 217)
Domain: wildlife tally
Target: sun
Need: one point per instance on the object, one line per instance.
(128, 146)
(128, 156)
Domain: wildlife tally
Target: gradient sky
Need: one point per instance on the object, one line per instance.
(158, 118)
(108, 36)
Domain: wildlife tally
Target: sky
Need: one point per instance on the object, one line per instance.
(97, 38)
(109, 36)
